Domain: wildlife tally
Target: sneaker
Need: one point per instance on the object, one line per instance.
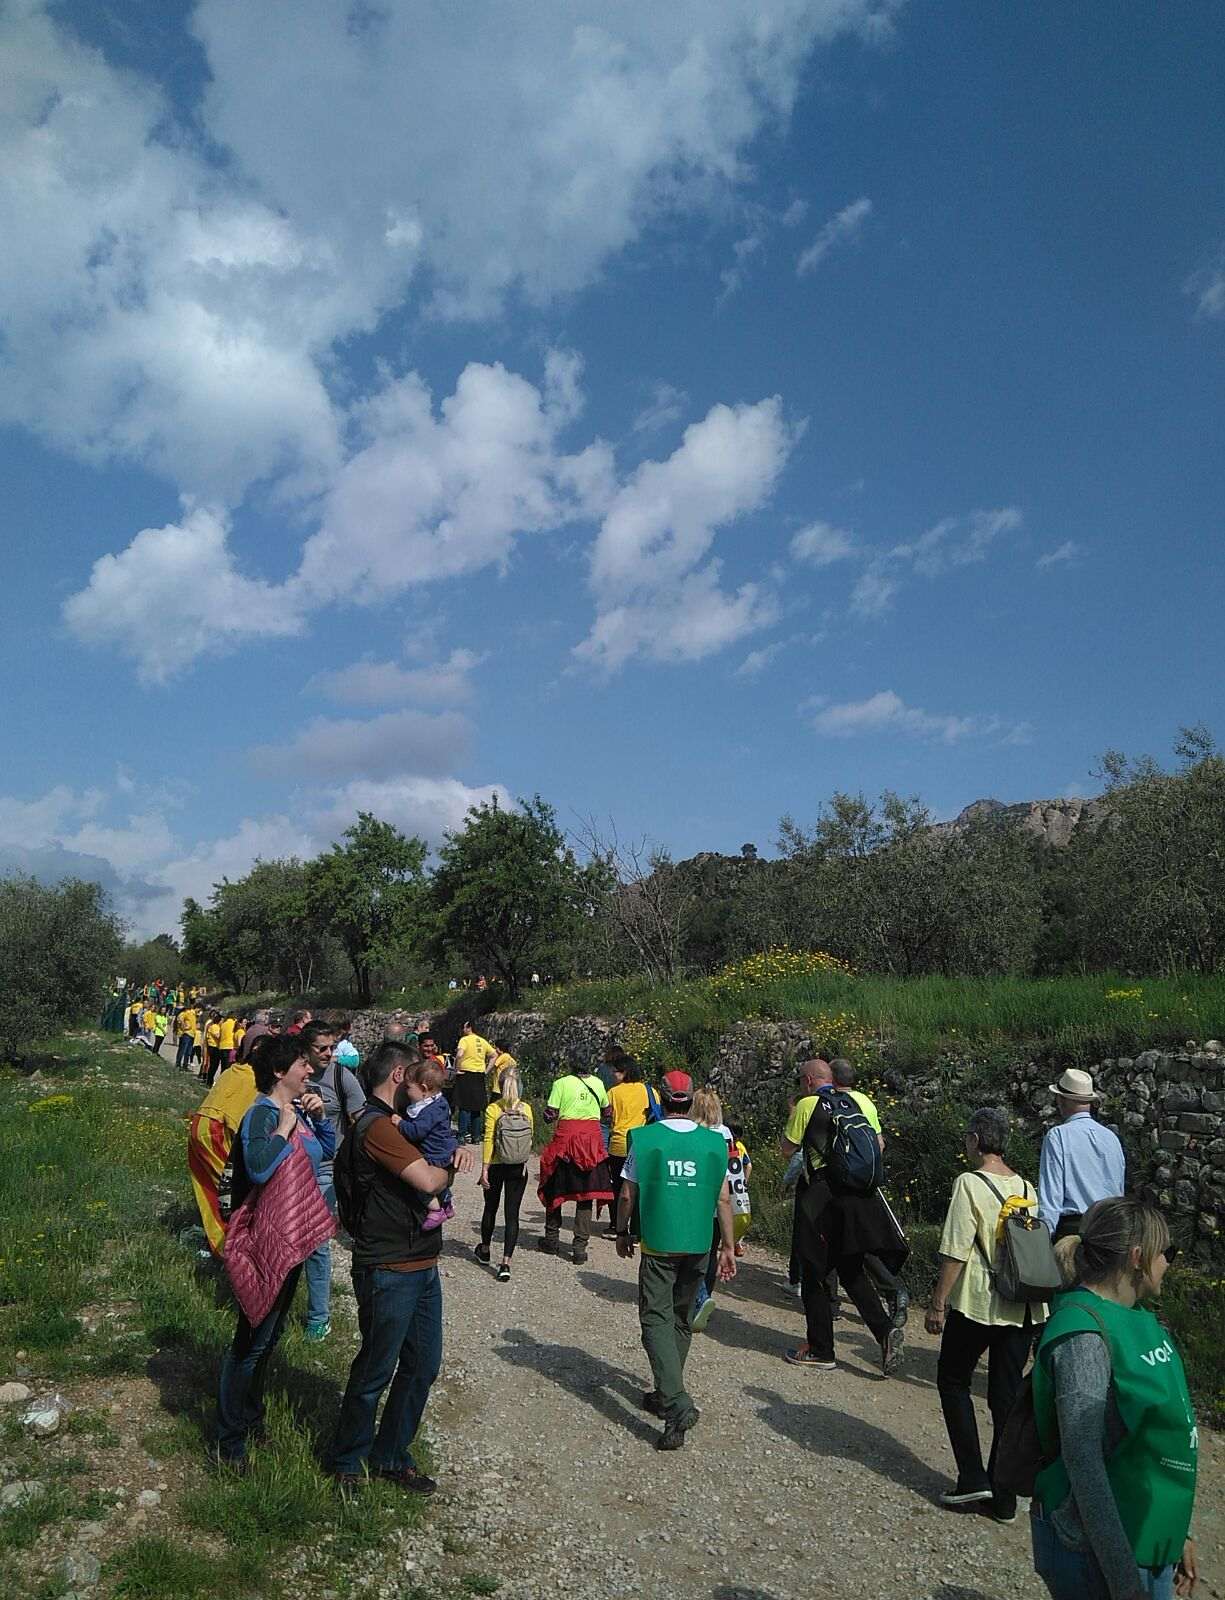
(317, 1332)
(407, 1478)
(702, 1315)
(891, 1348)
(899, 1308)
(802, 1356)
(958, 1496)
(504, 1272)
(481, 1252)
(1003, 1507)
(610, 1234)
(672, 1438)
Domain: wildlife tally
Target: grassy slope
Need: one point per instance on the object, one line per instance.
(93, 1194)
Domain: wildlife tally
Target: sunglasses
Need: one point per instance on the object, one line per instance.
(1171, 1253)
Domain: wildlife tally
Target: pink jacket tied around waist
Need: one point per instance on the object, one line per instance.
(273, 1231)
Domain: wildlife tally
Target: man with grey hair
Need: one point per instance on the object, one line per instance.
(393, 1032)
(259, 1027)
(1081, 1161)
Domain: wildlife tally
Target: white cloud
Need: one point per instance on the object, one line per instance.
(1207, 288)
(429, 807)
(842, 228)
(653, 594)
(174, 594)
(397, 742)
(756, 662)
(957, 541)
(887, 712)
(386, 683)
(667, 405)
(874, 591)
(1069, 550)
(820, 544)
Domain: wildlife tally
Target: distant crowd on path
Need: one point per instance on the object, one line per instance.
(1100, 1435)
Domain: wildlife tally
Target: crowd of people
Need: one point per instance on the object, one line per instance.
(294, 1129)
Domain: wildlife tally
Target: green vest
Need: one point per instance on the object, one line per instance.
(679, 1176)
(1152, 1473)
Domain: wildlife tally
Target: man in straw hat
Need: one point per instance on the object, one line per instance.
(1082, 1160)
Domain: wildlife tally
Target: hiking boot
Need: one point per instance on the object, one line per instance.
(672, 1438)
(891, 1348)
(802, 1356)
(579, 1256)
(317, 1332)
(547, 1245)
(899, 1307)
(407, 1478)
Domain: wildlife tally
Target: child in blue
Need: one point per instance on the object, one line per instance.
(427, 1124)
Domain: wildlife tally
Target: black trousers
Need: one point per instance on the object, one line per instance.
(961, 1349)
(819, 1312)
(507, 1182)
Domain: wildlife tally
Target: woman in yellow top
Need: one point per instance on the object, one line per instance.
(226, 1041)
(212, 1048)
(502, 1059)
(185, 1024)
(509, 1131)
(472, 1056)
(211, 1131)
(630, 1100)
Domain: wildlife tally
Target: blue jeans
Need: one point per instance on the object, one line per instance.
(400, 1318)
(240, 1397)
(1075, 1574)
(319, 1262)
(183, 1054)
(471, 1124)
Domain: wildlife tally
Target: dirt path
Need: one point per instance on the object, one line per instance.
(795, 1485)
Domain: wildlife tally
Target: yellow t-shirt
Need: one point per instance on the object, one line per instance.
(974, 1213)
(187, 1022)
(226, 1040)
(472, 1053)
(499, 1066)
(212, 1035)
(629, 1102)
(231, 1097)
(147, 1018)
(578, 1099)
(492, 1112)
(799, 1119)
(239, 1035)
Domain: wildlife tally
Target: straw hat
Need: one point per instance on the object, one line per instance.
(1075, 1085)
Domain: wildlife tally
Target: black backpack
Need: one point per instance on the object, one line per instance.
(852, 1152)
(1019, 1455)
(351, 1188)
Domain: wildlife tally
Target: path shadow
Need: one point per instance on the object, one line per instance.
(954, 1591)
(826, 1432)
(735, 1591)
(621, 1291)
(612, 1391)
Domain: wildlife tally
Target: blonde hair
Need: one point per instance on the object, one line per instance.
(1109, 1231)
(509, 1092)
(707, 1108)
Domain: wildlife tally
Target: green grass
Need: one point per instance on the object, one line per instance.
(1075, 1018)
(93, 1195)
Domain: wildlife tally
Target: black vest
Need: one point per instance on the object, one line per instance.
(383, 1213)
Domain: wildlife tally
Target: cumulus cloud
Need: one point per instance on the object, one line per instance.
(656, 593)
(820, 544)
(842, 228)
(387, 683)
(428, 807)
(1207, 288)
(887, 712)
(1068, 551)
(397, 742)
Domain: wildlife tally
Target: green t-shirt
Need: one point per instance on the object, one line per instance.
(578, 1099)
(679, 1173)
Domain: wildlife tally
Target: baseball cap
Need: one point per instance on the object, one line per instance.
(676, 1086)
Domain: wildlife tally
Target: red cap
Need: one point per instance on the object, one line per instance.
(676, 1086)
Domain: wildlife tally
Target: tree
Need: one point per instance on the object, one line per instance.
(648, 907)
(369, 892)
(158, 957)
(508, 888)
(59, 951)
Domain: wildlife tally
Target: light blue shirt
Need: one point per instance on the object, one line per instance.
(1082, 1161)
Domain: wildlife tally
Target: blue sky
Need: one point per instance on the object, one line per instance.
(680, 412)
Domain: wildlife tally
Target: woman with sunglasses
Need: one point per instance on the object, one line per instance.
(1111, 1512)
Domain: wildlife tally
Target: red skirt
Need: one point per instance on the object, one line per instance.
(574, 1165)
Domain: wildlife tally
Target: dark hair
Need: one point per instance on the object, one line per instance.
(990, 1127)
(628, 1068)
(383, 1062)
(316, 1030)
(844, 1073)
(274, 1060)
(297, 1016)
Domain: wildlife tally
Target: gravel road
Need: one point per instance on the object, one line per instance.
(796, 1485)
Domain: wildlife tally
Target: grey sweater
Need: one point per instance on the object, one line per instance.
(1090, 1428)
